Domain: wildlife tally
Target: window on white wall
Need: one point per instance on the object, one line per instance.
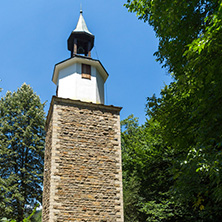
(86, 71)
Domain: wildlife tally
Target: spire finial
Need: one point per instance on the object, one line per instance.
(81, 40)
(81, 8)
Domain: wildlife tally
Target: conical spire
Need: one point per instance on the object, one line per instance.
(81, 25)
(81, 40)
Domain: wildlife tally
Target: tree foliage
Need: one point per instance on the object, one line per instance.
(37, 217)
(189, 110)
(30, 218)
(147, 179)
(22, 135)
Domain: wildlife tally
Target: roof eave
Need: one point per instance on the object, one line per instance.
(80, 59)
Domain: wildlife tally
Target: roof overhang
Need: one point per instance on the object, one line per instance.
(79, 59)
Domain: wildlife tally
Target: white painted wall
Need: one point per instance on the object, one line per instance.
(71, 84)
(100, 88)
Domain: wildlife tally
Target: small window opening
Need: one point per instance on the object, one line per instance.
(86, 71)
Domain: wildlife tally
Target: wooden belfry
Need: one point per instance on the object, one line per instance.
(81, 41)
(83, 171)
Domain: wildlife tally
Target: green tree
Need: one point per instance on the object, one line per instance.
(189, 110)
(27, 219)
(22, 120)
(147, 180)
(37, 217)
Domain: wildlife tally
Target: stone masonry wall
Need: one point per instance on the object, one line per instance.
(85, 172)
(47, 172)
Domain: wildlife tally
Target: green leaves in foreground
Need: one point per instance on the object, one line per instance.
(189, 110)
(28, 219)
(146, 175)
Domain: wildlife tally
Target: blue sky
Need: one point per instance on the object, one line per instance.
(34, 38)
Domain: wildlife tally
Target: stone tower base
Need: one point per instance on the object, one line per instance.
(83, 174)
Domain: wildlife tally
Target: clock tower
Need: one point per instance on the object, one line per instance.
(83, 170)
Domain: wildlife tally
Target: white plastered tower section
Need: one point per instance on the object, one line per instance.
(68, 75)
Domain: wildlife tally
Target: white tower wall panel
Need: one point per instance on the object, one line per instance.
(100, 88)
(72, 85)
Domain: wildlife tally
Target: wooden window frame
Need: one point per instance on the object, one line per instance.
(86, 71)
